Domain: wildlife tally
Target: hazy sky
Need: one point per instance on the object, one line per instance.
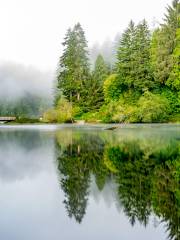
(31, 31)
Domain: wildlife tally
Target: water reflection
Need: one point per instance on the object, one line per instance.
(105, 181)
(21, 154)
(145, 170)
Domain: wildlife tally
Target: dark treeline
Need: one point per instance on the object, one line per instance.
(27, 106)
(145, 173)
(143, 85)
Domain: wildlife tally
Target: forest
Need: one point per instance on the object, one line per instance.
(142, 85)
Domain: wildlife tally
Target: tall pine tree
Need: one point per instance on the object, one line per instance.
(133, 58)
(142, 72)
(74, 67)
(99, 75)
(125, 57)
(165, 41)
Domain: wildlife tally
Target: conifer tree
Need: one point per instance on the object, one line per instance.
(94, 86)
(142, 73)
(166, 43)
(74, 66)
(174, 77)
(125, 51)
(100, 70)
(133, 58)
(99, 75)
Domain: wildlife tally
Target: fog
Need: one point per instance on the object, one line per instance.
(17, 80)
(107, 49)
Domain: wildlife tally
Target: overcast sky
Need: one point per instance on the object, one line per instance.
(31, 31)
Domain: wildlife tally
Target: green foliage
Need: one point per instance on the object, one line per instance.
(165, 44)
(27, 106)
(145, 86)
(126, 113)
(74, 72)
(91, 117)
(133, 58)
(112, 88)
(97, 80)
(174, 118)
(107, 112)
(148, 108)
(174, 77)
(173, 99)
(125, 53)
(64, 112)
(153, 108)
(100, 70)
(27, 120)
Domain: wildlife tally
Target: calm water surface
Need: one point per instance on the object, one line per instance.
(66, 182)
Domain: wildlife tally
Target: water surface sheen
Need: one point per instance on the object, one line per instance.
(87, 182)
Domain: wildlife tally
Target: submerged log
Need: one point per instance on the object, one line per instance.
(111, 128)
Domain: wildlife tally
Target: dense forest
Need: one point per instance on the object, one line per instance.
(143, 85)
(27, 106)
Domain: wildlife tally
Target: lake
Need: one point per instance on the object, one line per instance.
(87, 182)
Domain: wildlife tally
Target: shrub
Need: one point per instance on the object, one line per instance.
(153, 108)
(50, 116)
(90, 117)
(64, 112)
(111, 88)
(107, 112)
(173, 98)
(126, 113)
(149, 108)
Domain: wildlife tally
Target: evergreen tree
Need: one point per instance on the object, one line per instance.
(100, 73)
(142, 73)
(74, 66)
(125, 57)
(133, 58)
(165, 43)
(174, 76)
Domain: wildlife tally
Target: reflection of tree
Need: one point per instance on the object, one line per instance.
(76, 162)
(75, 181)
(166, 201)
(147, 178)
(166, 192)
(133, 180)
(148, 181)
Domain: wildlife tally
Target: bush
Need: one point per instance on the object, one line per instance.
(173, 98)
(27, 120)
(126, 113)
(90, 117)
(107, 112)
(175, 118)
(153, 108)
(50, 116)
(149, 108)
(64, 112)
(111, 88)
